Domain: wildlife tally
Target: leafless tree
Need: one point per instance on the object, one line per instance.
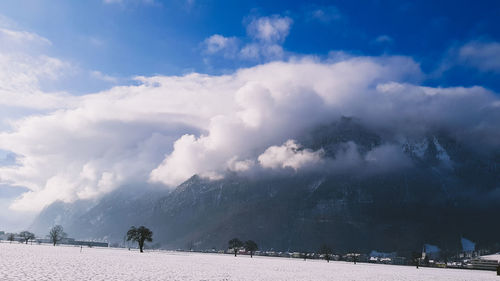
(326, 251)
(11, 237)
(26, 235)
(56, 234)
(416, 256)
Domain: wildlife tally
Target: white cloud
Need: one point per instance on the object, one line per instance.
(273, 29)
(218, 43)
(256, 51)
(289, 155)
(240, 165)
(17, 38)
(250, 51)
(383, 39)
(104, 77)
(326, 14)
(23, 67)
(266, 34)
(484, 56)
(388, 157)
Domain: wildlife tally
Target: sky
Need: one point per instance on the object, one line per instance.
(94, 94)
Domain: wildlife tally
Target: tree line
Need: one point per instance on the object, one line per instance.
(143, 234)
(236, 244)
(56, 234)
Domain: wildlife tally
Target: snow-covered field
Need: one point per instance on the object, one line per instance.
(44, 262)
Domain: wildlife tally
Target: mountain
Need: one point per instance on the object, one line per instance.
(439, 190)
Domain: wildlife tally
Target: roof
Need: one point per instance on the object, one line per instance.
(492, 257)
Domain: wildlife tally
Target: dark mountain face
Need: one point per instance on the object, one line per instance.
(447, 191)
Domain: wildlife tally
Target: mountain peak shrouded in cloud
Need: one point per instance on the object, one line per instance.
(289, 155)
(151, 92)
(169, 128)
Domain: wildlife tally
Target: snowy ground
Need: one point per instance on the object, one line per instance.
(44, 262)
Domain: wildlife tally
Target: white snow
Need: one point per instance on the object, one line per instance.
(419, 148)
(45, 262)
(314, 185)
(442, 154)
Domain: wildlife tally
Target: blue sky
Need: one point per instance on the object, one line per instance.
(98, 93)
(135, 37)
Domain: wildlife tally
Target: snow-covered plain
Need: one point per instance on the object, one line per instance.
(44, 262)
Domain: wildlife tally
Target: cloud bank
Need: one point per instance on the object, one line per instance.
(168, 128)
(164, 129)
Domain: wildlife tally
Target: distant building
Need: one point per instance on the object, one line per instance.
(467, 245)
(72, 241)
(296, 255)
(377, 254)
(495, 257)
(356, 256)
(430, 252)
(398, 260)
(483, 264)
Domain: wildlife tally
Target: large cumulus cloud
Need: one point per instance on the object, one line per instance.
(168, 128)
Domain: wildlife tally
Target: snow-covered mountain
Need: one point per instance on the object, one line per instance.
(375, 190)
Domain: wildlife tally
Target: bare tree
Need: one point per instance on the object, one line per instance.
(416, 258)
(11, 237)
(326, 251)
(235, 244)
(140, 235)
(251, 246)
(56, 234)
(26, 235)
